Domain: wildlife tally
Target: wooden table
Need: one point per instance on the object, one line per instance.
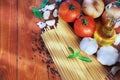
(23, 55)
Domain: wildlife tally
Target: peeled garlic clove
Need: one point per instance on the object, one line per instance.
(117, 40)
(46, 15)
(50, 22)
(50, 7)
(41, 24)
(89, 45)
(55, 14)
(107, 55)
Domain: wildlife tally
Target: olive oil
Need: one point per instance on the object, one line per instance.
(105, 34)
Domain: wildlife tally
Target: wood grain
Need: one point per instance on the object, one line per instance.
(23, 55)
(8, 40)
(32, 57)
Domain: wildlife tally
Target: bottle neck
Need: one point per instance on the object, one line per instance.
(108, 28)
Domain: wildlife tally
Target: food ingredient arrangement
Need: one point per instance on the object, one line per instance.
(84, 18)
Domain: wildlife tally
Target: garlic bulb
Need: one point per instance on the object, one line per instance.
(107, 55)
(93, 8)
(89, 45)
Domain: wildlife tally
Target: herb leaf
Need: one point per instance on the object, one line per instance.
(71, 56)
(71, 50)
(37, 13)
(118, 3)
(74, 55)
(77, 54)
(85, 59)
(43, 4)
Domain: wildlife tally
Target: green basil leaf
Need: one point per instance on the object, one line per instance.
(77, 53)
(44, 2)
(85, 59)
(71, 56)
(71, 50)
(118, 3)
(74, 55)
(37, 13)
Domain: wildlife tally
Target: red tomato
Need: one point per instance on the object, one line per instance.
(84, 26)
(69, 10)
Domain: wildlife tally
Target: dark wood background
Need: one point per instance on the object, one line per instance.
(23, 55)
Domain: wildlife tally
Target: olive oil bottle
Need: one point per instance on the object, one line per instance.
(105, 34)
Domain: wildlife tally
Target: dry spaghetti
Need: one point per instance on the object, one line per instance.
(57, 41)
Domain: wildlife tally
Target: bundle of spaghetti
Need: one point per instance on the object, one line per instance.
(57, 41)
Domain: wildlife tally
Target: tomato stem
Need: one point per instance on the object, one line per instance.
(84, 21)
(71, 7)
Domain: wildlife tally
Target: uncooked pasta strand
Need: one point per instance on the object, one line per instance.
(68, 43)
(57, 41)
(78, 44)
(48, 45)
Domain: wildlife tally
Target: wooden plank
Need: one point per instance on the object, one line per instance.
(34, 62)
(8, 40)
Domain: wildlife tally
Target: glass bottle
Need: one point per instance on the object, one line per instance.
(105, 33)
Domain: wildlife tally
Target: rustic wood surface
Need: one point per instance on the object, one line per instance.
(23, 55)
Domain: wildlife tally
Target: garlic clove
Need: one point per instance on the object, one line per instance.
(50, 22)
(46, 15)
(107, 55)
(89, 45)
(41, 24)
(117, 40)
(55, 14)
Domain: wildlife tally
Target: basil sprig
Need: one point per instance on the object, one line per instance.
(37, 12)
(43, 4)
(77, 55)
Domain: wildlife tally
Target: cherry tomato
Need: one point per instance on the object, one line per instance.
(69, 10)
(84, 26)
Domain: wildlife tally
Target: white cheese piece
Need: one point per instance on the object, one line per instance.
(43, 9)
(46, 15)
(41, 24)
(55, 14)
(50, 7)
(50, 22)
